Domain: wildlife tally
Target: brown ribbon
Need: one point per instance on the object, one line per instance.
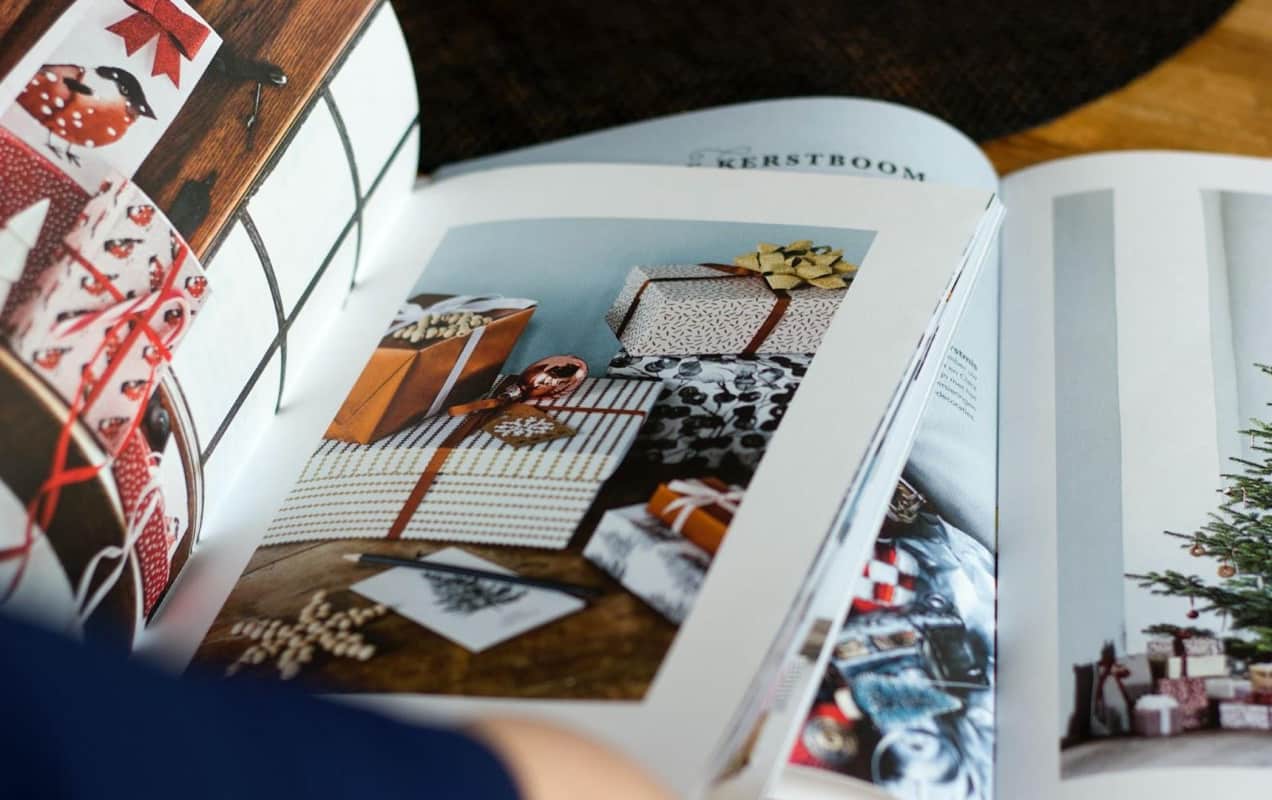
(783, 301)
(472, 423)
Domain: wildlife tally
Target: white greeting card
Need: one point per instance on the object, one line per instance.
(474, 613)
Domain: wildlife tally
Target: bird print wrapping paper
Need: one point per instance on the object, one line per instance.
(113, 86)
(122, 265)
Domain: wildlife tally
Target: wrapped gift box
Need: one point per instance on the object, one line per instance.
(1227, 688)
(1164, 647)
(1190, 693)
(29, 178)
(713, 406)
(699, 509)
(473, 487)
(117, 299)
(1197, 667)
(1261, 678)
(439, 351)
(682, 309)
(1157, 715)
(1238, 715)
(649, 559)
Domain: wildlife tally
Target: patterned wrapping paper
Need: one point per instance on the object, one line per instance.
(1241, 716)
(713, 406)
(28, 177)
(649, 559)
(487, 491)
(1157, 715)
(694, 308)
(80, 328)
(1190, 693)
(1164, 647)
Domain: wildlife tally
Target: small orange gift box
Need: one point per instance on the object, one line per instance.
(698, 509)
(439, 351)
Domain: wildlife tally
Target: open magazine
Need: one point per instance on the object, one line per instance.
(581, 441)
(803, 609)
(1126, 449)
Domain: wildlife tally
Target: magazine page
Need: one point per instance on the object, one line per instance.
(946, 532)
(166, 273)
(835, 135)
(626, 525)
(1133, 638)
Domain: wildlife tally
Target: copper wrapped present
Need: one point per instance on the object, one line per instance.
(1157, 715)
(439, 351)
(699, 510)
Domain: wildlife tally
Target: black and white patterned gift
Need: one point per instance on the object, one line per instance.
(649, 559)
(712, 405)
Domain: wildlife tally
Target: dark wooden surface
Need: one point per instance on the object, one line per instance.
(612, 649)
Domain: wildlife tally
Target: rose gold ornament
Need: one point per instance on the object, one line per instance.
(554, 375)
(1227, 570)
(1197, 550)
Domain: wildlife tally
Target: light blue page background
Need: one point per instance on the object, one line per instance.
(575, 268)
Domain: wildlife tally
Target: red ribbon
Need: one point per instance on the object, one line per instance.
(476, 414)
(43, 507)
(179, 34)
(1111, 668)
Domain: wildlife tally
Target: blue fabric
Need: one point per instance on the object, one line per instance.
(78, 723)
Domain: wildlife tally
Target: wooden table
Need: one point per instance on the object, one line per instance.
(1214, 95)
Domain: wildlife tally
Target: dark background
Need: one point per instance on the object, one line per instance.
(506, 73)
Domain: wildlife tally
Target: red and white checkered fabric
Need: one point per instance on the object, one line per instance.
(888, 580)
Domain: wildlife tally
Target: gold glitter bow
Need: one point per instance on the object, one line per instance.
(799, 263)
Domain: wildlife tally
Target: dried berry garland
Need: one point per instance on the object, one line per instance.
(293, 644)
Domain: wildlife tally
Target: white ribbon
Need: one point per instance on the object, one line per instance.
(1162, 704)
(148, 503)
(410, 313)
(695, 494)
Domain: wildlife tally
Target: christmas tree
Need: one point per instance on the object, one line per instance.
(1239, 537)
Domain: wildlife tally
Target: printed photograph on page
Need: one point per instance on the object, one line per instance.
(101, 485)
(1165, 550)
(524, 490)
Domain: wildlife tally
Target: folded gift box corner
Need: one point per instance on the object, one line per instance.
(439, 351)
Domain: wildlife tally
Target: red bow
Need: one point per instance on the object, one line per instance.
(179, 34)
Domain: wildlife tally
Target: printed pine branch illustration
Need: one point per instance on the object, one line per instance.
(1239, 537)
(463, 594)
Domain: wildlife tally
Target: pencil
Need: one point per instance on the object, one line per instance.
(581, 592)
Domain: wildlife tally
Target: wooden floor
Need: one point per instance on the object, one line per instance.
(1215, 95)
(1214, 748)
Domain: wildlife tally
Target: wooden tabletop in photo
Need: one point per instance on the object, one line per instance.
(609, 650)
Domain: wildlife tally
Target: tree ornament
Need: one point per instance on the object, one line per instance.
(1192, 613)
(1197, 550)
(1227, 570)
